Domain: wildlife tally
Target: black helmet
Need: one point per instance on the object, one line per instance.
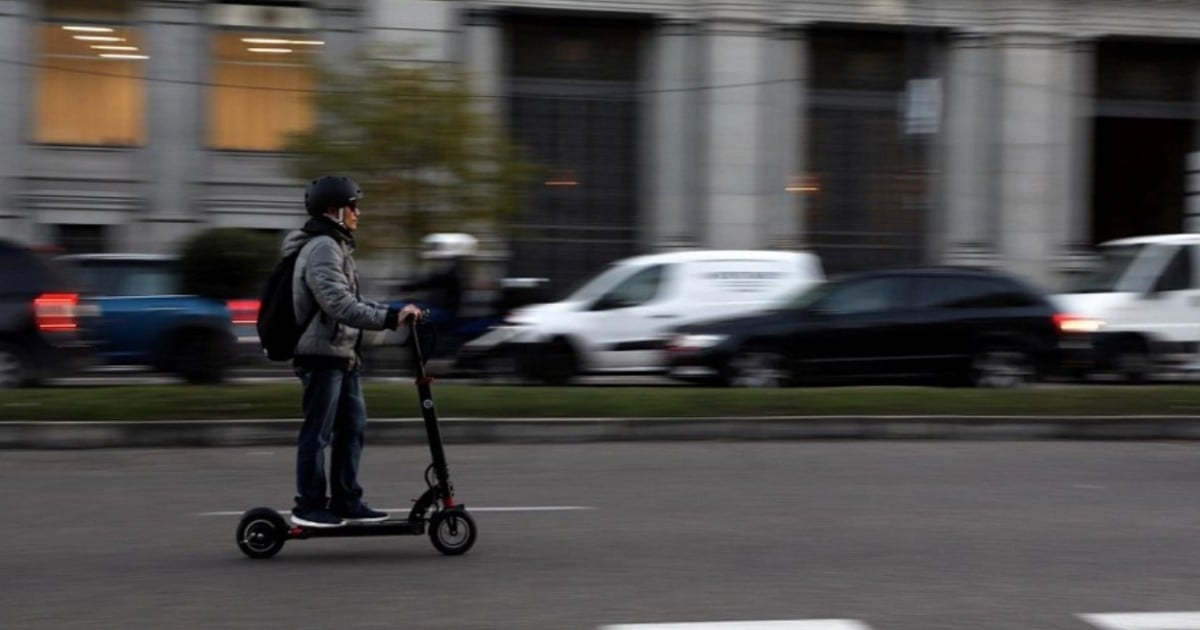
(330, 191)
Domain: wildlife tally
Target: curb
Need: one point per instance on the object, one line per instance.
(201, 433)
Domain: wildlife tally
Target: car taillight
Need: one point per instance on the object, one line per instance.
(1076, 323)
(243, 311)
(56, 311)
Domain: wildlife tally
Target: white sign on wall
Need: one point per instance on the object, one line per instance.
(923, 106)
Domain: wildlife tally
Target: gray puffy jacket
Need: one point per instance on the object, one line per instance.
(326, 279)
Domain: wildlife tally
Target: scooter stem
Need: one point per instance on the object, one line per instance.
(441, 473)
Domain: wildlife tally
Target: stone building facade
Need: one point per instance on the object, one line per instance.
(877, 132)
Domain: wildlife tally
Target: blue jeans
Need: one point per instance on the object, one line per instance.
(335, 415)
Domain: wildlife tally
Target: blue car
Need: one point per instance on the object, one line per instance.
(142, 318)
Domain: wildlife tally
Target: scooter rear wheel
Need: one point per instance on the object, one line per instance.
(452, 532)
(261, 533)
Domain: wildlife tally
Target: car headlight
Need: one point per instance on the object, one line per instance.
(695, 342)
(518, 317)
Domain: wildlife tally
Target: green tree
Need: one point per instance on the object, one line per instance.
(427, 156)
(227, 263)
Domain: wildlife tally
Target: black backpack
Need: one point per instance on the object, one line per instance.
(278, 330)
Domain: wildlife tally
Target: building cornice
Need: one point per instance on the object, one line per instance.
(55, 200)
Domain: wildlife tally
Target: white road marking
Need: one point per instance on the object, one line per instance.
(525, 508)
(783, 624)
(1145, 621)
(1104, 621)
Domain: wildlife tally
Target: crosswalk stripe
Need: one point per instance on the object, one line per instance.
(783, 624)
(1145, 621)
(1102, 621)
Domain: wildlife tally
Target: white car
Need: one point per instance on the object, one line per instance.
(1145, 291)
(618, 321)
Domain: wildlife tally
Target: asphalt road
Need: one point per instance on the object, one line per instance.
(895, 535)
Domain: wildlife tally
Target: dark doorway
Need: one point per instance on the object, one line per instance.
(1144, 128)
(1138, 176)
(573, 108)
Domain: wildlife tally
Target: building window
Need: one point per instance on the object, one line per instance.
(574, 107)
(89, 85)
(81, 239)
(262, 88)
(874, 197)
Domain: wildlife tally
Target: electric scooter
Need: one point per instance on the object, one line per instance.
(263, 531)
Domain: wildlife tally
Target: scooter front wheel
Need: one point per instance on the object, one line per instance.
(261, 533)
(452, 531)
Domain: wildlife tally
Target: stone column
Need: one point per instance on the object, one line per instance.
(672, 139)
(1192, 179)
(177, 43)
(970, 226)
(1031, 146)
(16, 116)
(425, 30)
(483, 55)
(784, 139)
(732, 127)
(1074, 221)
(342, 30)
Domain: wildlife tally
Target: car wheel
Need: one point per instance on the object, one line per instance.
(498, 367)
(1131, 361)
(199, 356)
(757, 367)
(14, 371)
(1001, 366)
(558, 363)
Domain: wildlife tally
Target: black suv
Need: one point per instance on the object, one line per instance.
(39, 318)
(947, 325)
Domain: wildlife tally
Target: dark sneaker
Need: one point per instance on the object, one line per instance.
(316, 517)
(360, 513)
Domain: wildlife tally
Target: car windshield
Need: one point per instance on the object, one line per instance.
(1114, 261)
(130, 279)
(598, 285)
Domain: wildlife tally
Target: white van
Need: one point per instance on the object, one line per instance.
(618, 321)
(1145, 292)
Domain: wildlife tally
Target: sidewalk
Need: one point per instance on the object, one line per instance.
(197, 433)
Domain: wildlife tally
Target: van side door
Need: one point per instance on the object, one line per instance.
(625, 326)
(729, 286)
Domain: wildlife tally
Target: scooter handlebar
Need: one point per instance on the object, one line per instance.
(423, 316)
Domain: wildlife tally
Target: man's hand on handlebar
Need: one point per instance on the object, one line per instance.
(411, 314)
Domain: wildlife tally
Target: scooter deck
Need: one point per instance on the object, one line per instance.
(391, 527)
